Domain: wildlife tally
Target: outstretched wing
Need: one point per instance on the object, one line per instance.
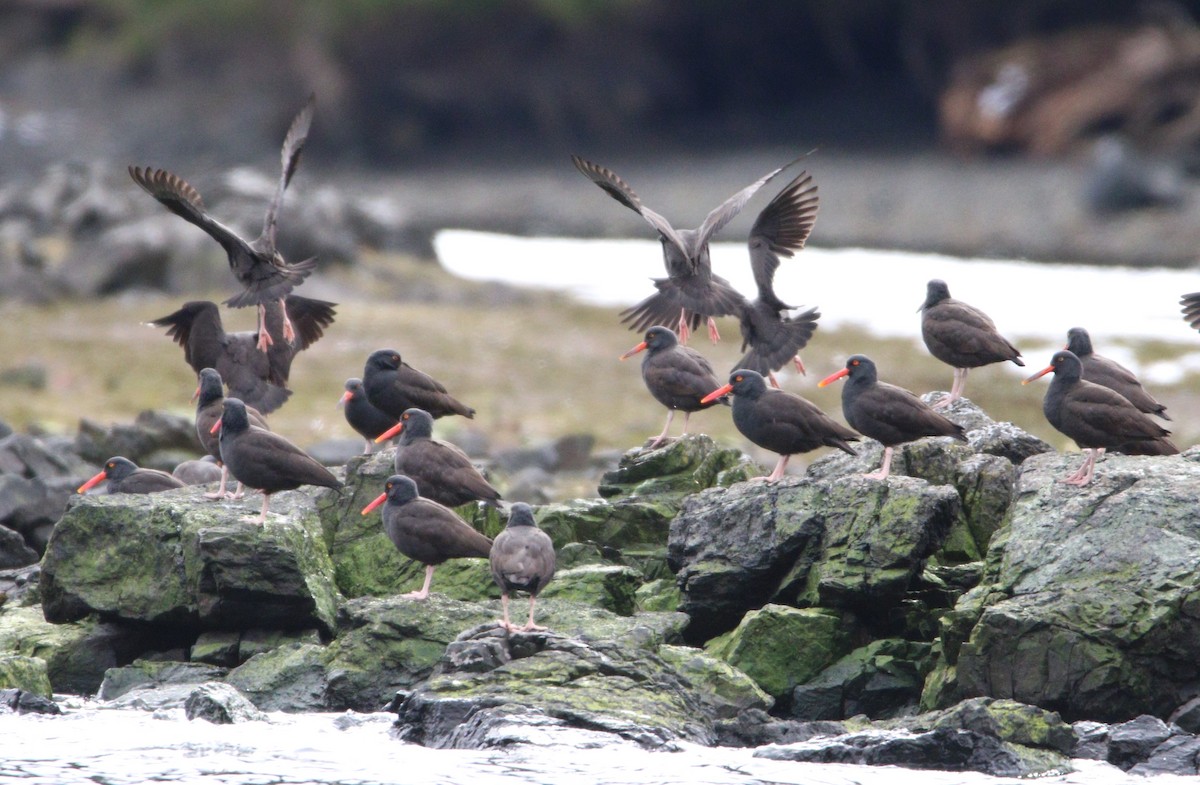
(174, 193)
(781, 229)
(293, 145)
(731, 207)
(615, 187)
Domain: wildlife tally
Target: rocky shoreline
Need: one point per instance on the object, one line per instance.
(974, 614)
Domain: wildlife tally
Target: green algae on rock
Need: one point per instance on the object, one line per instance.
(25, 673)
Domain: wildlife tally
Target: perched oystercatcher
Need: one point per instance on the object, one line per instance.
(780, 421)
(393, 385)
(257, 265)
(1108, 373)
(264, 460)
(362, 415)
(124, 476)
(1094, 416)
(442, 472)
(522, 559)
(889, 414)
(962, 336)
(691, 292)
(424, 530)
(677, 376)
(210, 405)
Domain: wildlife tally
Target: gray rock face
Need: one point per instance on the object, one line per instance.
(220, 704)
(151, 432)
(1090, 604)
(841, 543)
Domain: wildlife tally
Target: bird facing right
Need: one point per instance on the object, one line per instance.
(522, 559)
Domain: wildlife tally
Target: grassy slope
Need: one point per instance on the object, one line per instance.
(534, 366)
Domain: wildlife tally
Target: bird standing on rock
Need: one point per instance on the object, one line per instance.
(1094, 416)
(441, 471)
(210, 406)
(424, 530)
(961, 336)
(362, 415)
(264, 460)
(124, 476)
(522, 559)
(780, 421)
(889, 414)
(690, 292)
(257, 265)
(677, 376)
(393, 385)
(1108, 373)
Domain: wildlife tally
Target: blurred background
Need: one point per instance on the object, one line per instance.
(1048, 130)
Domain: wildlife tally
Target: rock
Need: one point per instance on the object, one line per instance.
(1103, 625)
(1006, 720)
(217, 647)
(23, 702)
(143, 674)
(842, 543)
(1179, 755)
(725, 691)
(27, 674)
(880, 680)
(611, 587)
(259, 641)
(1091, 740)
(756, 728)
(13, 550)
(660, 594)
(1187, 716)
(290, 678)
(174, 559)
(1131, 743)
(780, 647)
(151, 431)
(681, 467)
(220, 704)
(20, 586)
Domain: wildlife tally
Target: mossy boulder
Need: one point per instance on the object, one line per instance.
(176, 560)
(725, 690)
(25, 673)
(149, 674)
(290, 678)
(882, 679)
(660, 594)
(681, 467)
(608, 586)
(1090, 602)
(780, 647)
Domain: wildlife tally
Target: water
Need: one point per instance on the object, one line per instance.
(91, 744)
(1032, 303)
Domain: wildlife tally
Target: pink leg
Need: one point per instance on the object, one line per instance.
(684, 332)
(713, 335)
(960, 381)
(529, 625)
(505, 623)
(780, 467)
(1083, 475)
(289, 332)
(367, 449)
(264, 335)
(686, 416)
(262, 516)
(662, 437)
(220, 492)
(773, 380)
(239, 493)
(424, 592)
(885, 469)
(800, 365)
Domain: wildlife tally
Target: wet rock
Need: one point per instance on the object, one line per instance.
(660, 594)
(1091, 740)
(259, 641)
(1006, 720)
(1179, 755)
(1103, 625)
(27, 674)
(176, 560)
(610, 587)
(144, 674)
(1133, 742)
(725, 691)
(20, 586)
(1187, 716)
(24, 702)
(217, 647)
(681, 467)
(756, 728)
(220, 704)
(290, 678)
(780, 647)
(843, 542)
(880, 680)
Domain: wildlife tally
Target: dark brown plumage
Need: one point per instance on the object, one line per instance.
(264, 460)
(210, 406)
(961, 336)
(362, 415)
(124, 476)
(769, 337)
(442, 472)
(889, 414)
(1189, 304)
(522, 559)
(393, 385)
(780, 421)
(1095, 417)
(690, 292)
(677, 376)
(1108, 373)
(257, 378)
(257, 265)
(424, 530)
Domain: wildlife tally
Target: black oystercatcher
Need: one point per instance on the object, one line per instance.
(1094, 416)
(124, 476)
(257, 265)
(961, 336)
(677, 376)
(264, 460)
(691, 291)
(781, 229)
(424, 530)
(198, 471)
(258, 379)
(1107, 373)
(522, 559)
(780, 421)
(393, 386)
(889, 414)
(210, 405)
(443, 473)
(362, 415)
